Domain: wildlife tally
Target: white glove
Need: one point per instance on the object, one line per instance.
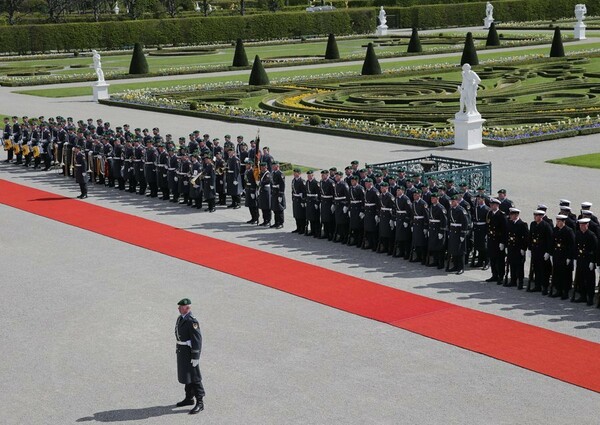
(176, 179)
(195, 172)
(189, 343)
(568, 261)
(185, 182)
(405, 224)
(316, 207)
(425, 232)
(212, 187)
(361, 215)
(591, 266)
(333, 208)
(345, 209)
(462, 239)
(252, 196)
(235, 182)
(392, 224)
(440, 236)
(195, 362)
(501, 246)
(522, 252)
(280, 199)
(575, 263)
(377, 219)
(546, 256)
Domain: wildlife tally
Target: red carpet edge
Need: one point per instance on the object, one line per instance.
(560, 356)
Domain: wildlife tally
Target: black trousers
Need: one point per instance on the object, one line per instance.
(278, 217)
(585, 280)
(300, 225)
(83, 187)
(315, 228)
(497, 266)
(253, 213)
(9, 155)
(517, 266)
(194, 390)
(266, 213)
(562, 279)
(540, 270)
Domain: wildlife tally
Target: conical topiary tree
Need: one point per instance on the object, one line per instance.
(469, 53)
(139, 64)
(239, 57)
(371, 64)
(557, 50)
(414, 45)
(332, 51)
(492, 38)
(258, 76)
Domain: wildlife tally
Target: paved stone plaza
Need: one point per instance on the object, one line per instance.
(88, 321)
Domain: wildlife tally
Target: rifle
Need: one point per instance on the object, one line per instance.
(506, 268)
(530, 278)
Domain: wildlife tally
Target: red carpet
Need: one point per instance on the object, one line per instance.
(557, 355)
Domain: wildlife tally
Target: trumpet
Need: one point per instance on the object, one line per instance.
(196, 177)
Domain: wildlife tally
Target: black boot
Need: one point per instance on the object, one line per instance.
(185, 402)
(198, 407)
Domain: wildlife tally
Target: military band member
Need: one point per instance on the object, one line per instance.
(277, 195)
(80, 169)
(16, 139)
(162, 172)
(437, 227)
(586, 206)
(264, 194)
(208, 183)
(7, 140)
(356, 212)
(188, 348)
(341, 202)
(173, 177)
(299, 202)
(138, 164)
(221, 180)
(326, 188)
(313, 202)
(497, 240)
(571, 221)
(371, 220)
(565, 205)
(183, 178)
(517, 241)
(458, 227)
(234, 179)
(108, 155)
(196, 186)
(129, 166)
(540, 245)
(403, 207)
(150, 159)
(586, 245)
(563, 256)
(419, 228)
(387, 220)
(251, 200)
(480, 231)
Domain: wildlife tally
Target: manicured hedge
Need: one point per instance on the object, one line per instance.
(116, 35)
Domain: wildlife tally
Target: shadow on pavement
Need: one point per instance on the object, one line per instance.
(120, 415)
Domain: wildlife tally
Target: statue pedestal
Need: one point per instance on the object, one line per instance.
(468, 131)
(100, 91)
(381, 30)
(580, 31)
(487, 22)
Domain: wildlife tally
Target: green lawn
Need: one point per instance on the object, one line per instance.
(591, 160)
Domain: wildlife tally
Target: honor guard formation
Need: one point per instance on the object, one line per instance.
(436, 223)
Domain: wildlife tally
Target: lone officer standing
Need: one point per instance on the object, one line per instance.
(80, 166)
(189, 346)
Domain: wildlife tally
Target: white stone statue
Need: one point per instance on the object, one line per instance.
(116, 8)
(468, 91)
(489, 11)
(98, 66)
(197, 8)
(382, 18)
(580, 11)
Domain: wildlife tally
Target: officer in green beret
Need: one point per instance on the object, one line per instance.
(188, 348)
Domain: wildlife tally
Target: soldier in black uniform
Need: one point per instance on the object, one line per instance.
(277, 195)
(208, 183)
(196, 186)
(571, 220)
(458, 226)
(138, 165)
(117, 163)
(162, 172)
(234, 179)
(183, 178)
(80, 169)
(586, 245)
(437, 227)
(220, 182)
(313, 212)
(356, 212)
(419, 228)
(387, 220)
(505, 203)
(403, 219)
(6, 136)
(173, 168)
(251, 200)
(188, 348)
(341, 201)
(299, 202)
(264, 194)
(327, 208)
(371, 220)
(496, 241)
(150, 160)
(129, 167)
(517, 241)
(563, 255)
(540, 245)
(480, 230)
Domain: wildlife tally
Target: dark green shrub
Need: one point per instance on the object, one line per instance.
(139, 64)
(557, 50)
(315, 120)
(239, 57)
(492, 37)
(371, 63)
(469, 54)
(193, 106)
(332, 51)
(414, 45)
(258, 75)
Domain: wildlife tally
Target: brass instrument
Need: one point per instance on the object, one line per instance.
(200, 176)
(8, 144)
(16, 148)
(26, 149)
(36, 151)
(219, 171)
(90, 161)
